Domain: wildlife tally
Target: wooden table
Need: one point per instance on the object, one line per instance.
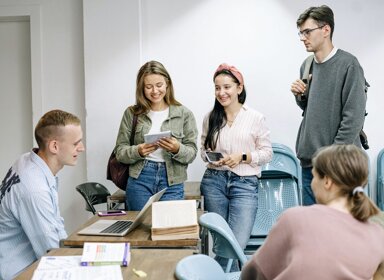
(157, 263)
(139, 237)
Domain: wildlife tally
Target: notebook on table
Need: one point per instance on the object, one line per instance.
(120, 227)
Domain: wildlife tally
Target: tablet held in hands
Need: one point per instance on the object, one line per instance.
(151, 138)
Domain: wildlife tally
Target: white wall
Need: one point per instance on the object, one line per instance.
(16, 97)
(191, 38)
(57, 80)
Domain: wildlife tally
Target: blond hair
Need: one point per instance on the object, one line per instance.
(49, 126)
(143, 105)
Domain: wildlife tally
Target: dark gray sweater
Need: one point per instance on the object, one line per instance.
(335, 107)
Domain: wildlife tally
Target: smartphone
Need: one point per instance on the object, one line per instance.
(111, 213)
(213, 156)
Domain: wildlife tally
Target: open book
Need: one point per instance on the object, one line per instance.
(105, 254)
(174, 219)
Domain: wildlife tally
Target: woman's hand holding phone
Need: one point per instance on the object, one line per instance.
(232, 160)
(217, 158)
(213, 157)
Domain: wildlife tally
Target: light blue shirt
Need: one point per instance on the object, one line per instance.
(30, 220)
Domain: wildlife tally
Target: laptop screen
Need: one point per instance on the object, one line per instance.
(99, 227)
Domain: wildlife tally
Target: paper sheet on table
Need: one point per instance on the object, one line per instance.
(106, 272)
(59, 262)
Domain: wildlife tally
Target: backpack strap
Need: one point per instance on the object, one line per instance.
(362, 135)
(306, 77)
(307, 68)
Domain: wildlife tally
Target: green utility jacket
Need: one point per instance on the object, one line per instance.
(180, 122)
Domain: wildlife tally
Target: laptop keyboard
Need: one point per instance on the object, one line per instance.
(117, 227)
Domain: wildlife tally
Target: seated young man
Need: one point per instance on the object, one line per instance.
(30, 220)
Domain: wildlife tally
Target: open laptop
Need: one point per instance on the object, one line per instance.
(120, 227)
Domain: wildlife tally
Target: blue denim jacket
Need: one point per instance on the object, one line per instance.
(180, 122)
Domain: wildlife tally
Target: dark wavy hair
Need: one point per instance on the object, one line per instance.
(322, 15)
(217, 117)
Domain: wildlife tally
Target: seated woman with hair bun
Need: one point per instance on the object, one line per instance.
(329, 240)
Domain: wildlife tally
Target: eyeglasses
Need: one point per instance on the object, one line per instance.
(305, 33)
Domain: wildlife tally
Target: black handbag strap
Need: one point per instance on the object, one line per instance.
(134, 123)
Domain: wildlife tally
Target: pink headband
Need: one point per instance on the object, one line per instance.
(233, 70)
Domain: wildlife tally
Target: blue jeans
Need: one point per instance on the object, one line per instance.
(152, 179)
(308, 196)
(235, 198)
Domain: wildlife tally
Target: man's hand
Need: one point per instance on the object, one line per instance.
(298, 87)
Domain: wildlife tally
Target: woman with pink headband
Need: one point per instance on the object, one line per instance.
(230, 185)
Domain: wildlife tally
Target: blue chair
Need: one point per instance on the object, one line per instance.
(225, 243)
(283, 162)
(380, 180)
(279, 189)
(202, 267)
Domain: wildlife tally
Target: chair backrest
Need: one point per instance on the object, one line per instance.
(283, 163)
(279, 189)
(200, 267)
(380, 180)
(225, 243)
(275, 196)
(93, 193)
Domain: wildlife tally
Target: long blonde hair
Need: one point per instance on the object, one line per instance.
(143, 105)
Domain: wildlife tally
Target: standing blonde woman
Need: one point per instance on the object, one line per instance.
(329, 240)
(155, 166)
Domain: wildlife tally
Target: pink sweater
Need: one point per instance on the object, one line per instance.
(319, 242)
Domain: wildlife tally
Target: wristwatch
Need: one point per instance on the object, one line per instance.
(244, 157)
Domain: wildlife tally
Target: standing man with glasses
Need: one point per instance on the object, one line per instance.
(334, 106)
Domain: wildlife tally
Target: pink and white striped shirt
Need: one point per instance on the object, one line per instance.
(248, 134)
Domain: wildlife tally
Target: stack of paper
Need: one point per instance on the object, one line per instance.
(174, 219)
(106, 254)
(68, 268)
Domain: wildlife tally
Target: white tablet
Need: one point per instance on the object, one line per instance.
(152, 138)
